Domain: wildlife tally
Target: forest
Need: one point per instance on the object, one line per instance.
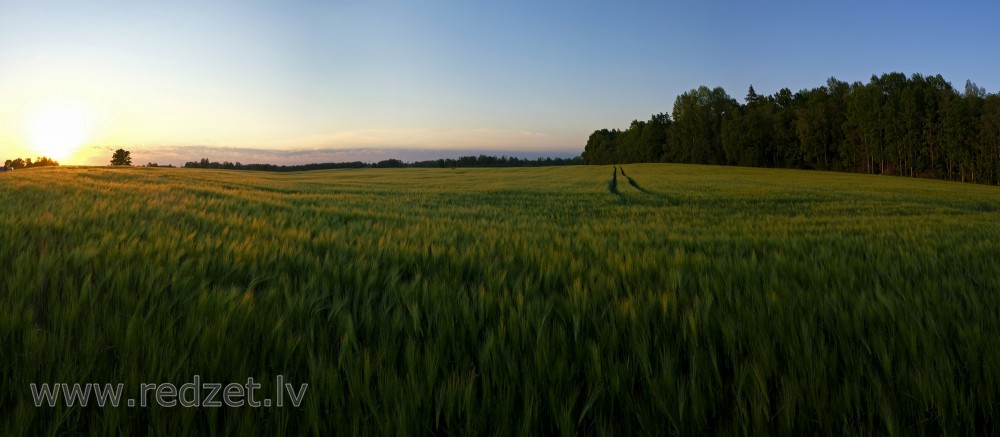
(18, 163)
(464, 161)
(918, 126)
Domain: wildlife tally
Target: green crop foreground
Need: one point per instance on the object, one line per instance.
(672, 299)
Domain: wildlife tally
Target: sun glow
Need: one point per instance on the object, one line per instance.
(58, 129)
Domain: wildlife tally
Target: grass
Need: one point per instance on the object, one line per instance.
(500, 301)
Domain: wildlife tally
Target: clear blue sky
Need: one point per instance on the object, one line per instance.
(256, 81)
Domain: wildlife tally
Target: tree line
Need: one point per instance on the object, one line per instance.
(19, 163)
(897, 125)
(495, 161)
(464, 161)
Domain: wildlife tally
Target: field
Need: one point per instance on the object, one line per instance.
(671, 299)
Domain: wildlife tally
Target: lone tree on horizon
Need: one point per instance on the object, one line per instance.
(121, 157)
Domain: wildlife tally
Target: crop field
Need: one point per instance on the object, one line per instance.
(652, 299)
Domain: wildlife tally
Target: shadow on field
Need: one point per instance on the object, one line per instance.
(635, 184)
(613, 183)
(651, 198)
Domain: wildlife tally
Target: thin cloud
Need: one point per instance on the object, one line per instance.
(178, 155)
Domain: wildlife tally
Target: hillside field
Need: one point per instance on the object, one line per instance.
(671, 299)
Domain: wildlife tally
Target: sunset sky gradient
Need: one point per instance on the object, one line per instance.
(309, 81)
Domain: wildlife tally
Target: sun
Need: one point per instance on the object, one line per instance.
(58, 129)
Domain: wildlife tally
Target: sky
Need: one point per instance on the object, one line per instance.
(317, 81)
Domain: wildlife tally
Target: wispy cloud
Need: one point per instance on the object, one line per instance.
(178, 155)
(368, 145)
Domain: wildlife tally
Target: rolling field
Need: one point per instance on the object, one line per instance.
(668, 299)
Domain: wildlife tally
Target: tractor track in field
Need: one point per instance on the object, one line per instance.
(613, 183)
(635, 184)
(646, 197)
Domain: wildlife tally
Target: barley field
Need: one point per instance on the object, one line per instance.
(648, 299)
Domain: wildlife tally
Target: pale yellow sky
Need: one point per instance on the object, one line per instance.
(75, 110)
(80, 78)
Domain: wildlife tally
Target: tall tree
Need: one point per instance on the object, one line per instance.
(989, 138)
(121, 157)
(785, 140)
(973, 90)
(892, 86)
(863, 127)
(954, 133)
(818, 125)
(939, 91)
(751, 96)
(974, 150)
(654, 137)
(748, 131)
(697, 125)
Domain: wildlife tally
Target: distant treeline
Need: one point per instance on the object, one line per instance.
(27, 163)
(916, 126)
(465, 161)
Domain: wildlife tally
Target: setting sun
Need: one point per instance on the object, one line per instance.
(59, 129)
